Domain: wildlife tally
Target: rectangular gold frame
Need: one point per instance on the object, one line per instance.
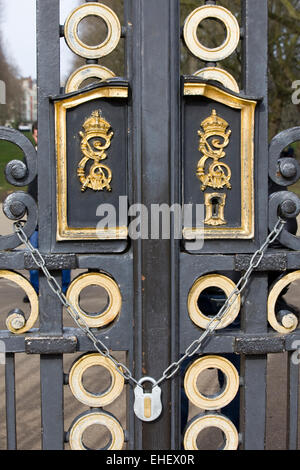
(247, 107)
(64, 232)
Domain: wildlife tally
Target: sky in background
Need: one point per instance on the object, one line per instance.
(18, 27)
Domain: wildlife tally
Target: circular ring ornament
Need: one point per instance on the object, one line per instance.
(219, 75)
(113, 27)
(16, 323)
(201, 422)
(227, 394)
(199, 50)
(115, 299)
(85, 72)
(84, 421)
(212, 280)
(86, 397)
(289, 322)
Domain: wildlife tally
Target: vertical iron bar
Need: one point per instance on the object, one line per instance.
(51, 371)
(48, 68)
(175, 172)
(134, 182)
(254, 312)
(254, 368)
(154, 66)
(48, 40)
(136, 126)
(293, 404)
(10, 389)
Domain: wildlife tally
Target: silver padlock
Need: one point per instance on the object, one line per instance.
(147, 405)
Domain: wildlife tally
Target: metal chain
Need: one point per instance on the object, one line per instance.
(194, 347)
(80, 322)
(256, 259)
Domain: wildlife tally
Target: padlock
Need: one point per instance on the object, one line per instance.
(147, 405)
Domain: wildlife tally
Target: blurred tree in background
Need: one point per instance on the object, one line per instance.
(14, 95)
(284, 55)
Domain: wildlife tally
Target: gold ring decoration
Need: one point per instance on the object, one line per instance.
(226, 395)
(84, 421)
(16, 323)
(211, 421)
(289, 322)
(113, 26)
(85, 72)
(199, 50)
(205, 282)
(115, 299)
(219, 75)
(91, 399)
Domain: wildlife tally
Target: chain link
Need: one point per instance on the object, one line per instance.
(80, 322)
(193, 348)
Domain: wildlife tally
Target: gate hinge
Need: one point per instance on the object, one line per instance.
(259, 345)
(50, 344)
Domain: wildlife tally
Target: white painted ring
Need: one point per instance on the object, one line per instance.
(199, 50)
(113, 26)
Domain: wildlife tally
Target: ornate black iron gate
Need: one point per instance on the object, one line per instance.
(152, 128)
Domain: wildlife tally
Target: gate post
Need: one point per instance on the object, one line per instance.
(255, 60)
(51, 367)
(156, 153)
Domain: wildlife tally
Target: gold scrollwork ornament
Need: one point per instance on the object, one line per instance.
(219, 174)
(289, 322)
(96, 139)
(16, 323)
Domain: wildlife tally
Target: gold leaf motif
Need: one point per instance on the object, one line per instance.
(212, 147)
(96, 139)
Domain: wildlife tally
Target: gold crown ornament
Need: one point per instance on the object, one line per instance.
(214, 124)
(96, 124)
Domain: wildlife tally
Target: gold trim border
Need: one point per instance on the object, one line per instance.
(247, 107)
(64, 232)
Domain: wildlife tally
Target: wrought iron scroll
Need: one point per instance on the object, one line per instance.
(19, 173)
(284, 172)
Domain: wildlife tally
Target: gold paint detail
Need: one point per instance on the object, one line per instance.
(96, 418)
(202, 422)
(219, 173)
(289, 322)
(115, 299)
(147, 408)
(227, 394)
(205, 282)
(247, 108)
(113, 30)
(219, 75)
(64, 232)
(215, 209)
(16, 323)
(100, 176)
(85, 72)
(219, 13)
(84, 396)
